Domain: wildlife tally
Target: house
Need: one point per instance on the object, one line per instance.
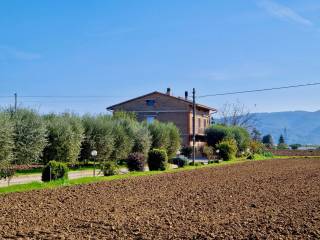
(167, 108)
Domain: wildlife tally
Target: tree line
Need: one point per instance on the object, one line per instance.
(28, 137)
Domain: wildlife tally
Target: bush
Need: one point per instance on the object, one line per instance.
(256, 147)
(136, 161)
(180, 161)
(186, 151)
(216, 133)
(227, 149)
(196, 164)
(241, 136)
(295, 146)
(282, 146)
(65, 135)
(157, 159)
(54, 170)
(208, 152)
(6, 170)
(29, 136)
(109, 168)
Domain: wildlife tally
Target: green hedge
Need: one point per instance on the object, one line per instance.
(157, 160)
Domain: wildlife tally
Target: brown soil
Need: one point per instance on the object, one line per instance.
(272, 199)
(301, 153)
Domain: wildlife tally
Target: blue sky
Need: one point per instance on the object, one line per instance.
(124, 49)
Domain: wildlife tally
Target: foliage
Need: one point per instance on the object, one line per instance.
(29, 136)
(196, 164)
(136, 161)
(123, 135)
(142, 139)
(157, 159)
(98, 136)
(6, 138)
(54, 170)
(186, 151)
(227, 149)
(109, 168)
(295, 146)
(65, 135)
(174, 139)
(6, 170)
(179, 161)
(216, 133)
(208, 152)
(281, 143)
(267, 140)
(165, 136)
(256, 147)
(241, 136)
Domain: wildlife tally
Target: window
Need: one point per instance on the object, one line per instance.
(199, 122)
(150, 102)
(150, 119)
(204, 123)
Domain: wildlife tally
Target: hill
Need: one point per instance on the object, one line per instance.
(298, 126)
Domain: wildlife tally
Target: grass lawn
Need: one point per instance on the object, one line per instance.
(86, 180)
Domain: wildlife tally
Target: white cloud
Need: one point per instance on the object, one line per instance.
(7, 52)
(284, 12)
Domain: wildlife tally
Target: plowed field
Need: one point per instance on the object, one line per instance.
(272, 199)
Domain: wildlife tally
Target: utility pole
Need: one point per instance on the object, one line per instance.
(193, 125)
(15, 102)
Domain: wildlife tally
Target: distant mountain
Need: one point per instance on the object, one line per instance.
(298, 126)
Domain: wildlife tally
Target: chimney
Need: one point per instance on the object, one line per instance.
(168, 91)
(186, 95)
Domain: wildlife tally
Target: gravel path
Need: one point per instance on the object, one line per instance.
(274, 199)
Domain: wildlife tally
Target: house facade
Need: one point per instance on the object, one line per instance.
(167, 108)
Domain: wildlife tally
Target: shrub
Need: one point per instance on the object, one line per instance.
(29, 136)
(54, 170)
(136, 161)
(186, 151)
(6, 170)
(267, 140)
(268, 154)
(282, 146)
(216, 133)
(196, 164)
(65, 135)
(180, 161)
(98, 136)
(6, 139)
(208, 152)
(157, 159)
(241, 136)
(109, 168)
(227, 149)
(295, 146)
(256, 147)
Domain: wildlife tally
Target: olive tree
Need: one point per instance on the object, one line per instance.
(65, 135)
(29, 136)
(6, 145)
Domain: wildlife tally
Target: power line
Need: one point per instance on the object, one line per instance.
(259, 90)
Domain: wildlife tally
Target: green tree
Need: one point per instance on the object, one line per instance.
(267, 140)
(174, 140)
(65, 135)
(142, 139)
(29, 136)
(216, 133)
(281, 139)
(282, 144)
(98, 136)
(6, 146)
(241, 136)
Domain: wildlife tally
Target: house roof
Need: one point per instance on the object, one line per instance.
(163, 94)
